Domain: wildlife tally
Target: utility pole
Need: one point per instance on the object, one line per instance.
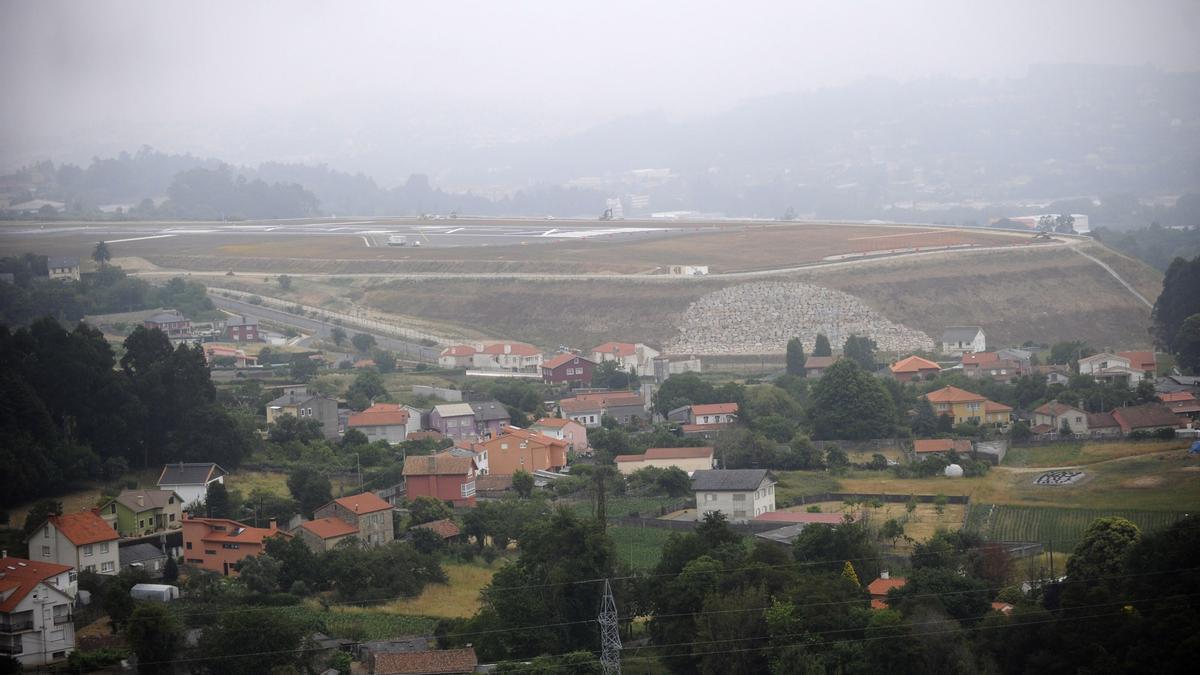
(610, 634)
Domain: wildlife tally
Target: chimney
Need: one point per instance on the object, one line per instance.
(272, 525)
(141, 500)
(4, 554)
(883, 574)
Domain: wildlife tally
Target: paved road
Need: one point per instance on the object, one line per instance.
(407, 350)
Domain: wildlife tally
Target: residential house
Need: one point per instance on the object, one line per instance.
(569, 430)
(936, 446)
(445, 528)
(170, 322)
(424, 662)
(365, 511)
(713, 413)
(879, 588)
(242, 329)
(687, 459)
(589, 409)
(474, 451)
(959, 340)
(629, 356)
(134, 513)
(1103, 425)
(569, 369)
(815, 366)
(914, 368)
(190, 480)
(63, 267)
(218, 354)
(219, 544)
(490, 417)
(36, 598)
(1111, 368)
(322, 534)
(1022, 356)
(1146, 418)
(964, 407)
(145, 557)
(1170, 383)
(1054, 373)
(990, 365)
(457, 356)
(306, 406)
(389, 422)
(521, 449)
(453, 420)
(1049, 418)
(741, 494)
(511, 356)
(442, 476)
(1183, 403)
(1144, 361)
(82, 540)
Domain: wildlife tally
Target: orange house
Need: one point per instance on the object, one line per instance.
(914, 368)
(520, 449)
(217, 544)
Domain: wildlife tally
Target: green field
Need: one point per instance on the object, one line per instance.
(1061, 526)
(1076, 453)
(359, 623)
(618, 507)
(639, 547)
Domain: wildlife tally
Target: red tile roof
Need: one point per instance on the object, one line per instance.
(24, 575)
(610, 399)
(1184, 407)
(534, 436)
(1176, 396)
(698, 428)
(234, 531)
(458, 350)
(1145, 416)
(617, 348)
(428, 662)
(913, 364)
(941, 445)
(380, 414)
(668, 453)
(1054, 408)
(1046, 428)
(819, 362)
(432, 434)
(441, 464)
(715, 409)
(1140, 360)
(327, 528)
(444, 528)
(950, 394)
(84, 527)
(563, 359)
(514, 348)
(979, 358)
(803, 517)
(553, 422)
(1101, 420)
(882, 586)
(365, 502)
(993, 407)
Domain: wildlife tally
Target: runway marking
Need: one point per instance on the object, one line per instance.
(549, 232)
(366, 241)
(457, 229)
(887, 236)
(157, 236)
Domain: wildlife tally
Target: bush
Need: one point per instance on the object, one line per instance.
(94, 659)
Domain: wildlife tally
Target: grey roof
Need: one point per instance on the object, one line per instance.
(151, 499)
(241, 321)
(294, 399)
(189, 473)
(139, 553)
(960, 333)
(62, 261)
(487, 411)
(454, 410)
(462, 452)
(783, 535)
(729, 480)
(171, 316)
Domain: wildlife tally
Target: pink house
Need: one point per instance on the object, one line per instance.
(574, 433)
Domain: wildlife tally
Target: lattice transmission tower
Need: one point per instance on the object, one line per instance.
(610, 634)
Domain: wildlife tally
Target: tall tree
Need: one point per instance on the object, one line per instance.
(1180, 299)
(101, 254)
(795, 357)
(850, 403)
(310, 488)
(1187, 345)
(217, 502)
(822, 347)
(155, 636)
(862, 350)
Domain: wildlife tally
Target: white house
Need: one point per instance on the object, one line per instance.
(1111, 367)
(629, 356)
(514, 356)
(741, 494)
(389, 422)
(959, 340)
(82, 540)
(190, 480)
(35, 610)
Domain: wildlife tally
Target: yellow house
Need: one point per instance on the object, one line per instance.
(687, 459)
(964, 406)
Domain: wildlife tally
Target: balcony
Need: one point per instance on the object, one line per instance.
(7, 648)
(16, 626)
(467, 489)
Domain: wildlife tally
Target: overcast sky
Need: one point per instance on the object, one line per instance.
(180, 75)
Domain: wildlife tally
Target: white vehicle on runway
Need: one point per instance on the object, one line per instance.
(396, 240)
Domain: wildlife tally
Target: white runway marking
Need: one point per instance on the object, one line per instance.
(457, 229)
(549, 232)
(157, 236)
(366, 241)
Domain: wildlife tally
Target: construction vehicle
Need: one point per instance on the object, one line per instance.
(1043, 236)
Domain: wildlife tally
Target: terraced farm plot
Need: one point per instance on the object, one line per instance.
(1062, 526)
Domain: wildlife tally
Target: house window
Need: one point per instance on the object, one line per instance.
(141, 523)
(106, 566)
(209, 552)
(171, 517)
(45, 533)
(188, 545)
(739, 497)
(89, 568)
(234, 546)
(45, 551)
(87, 550)
(710, 497)
(104, 547)
(112, 509)
(739, 514)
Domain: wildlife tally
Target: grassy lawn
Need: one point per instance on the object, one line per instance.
(1080, 453)
(457, 599)
(624, 506)
(639, 547)
(794, 484)
(920, 525)
(248, 481)
(362, 623)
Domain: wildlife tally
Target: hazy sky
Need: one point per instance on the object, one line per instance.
(182, 75)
